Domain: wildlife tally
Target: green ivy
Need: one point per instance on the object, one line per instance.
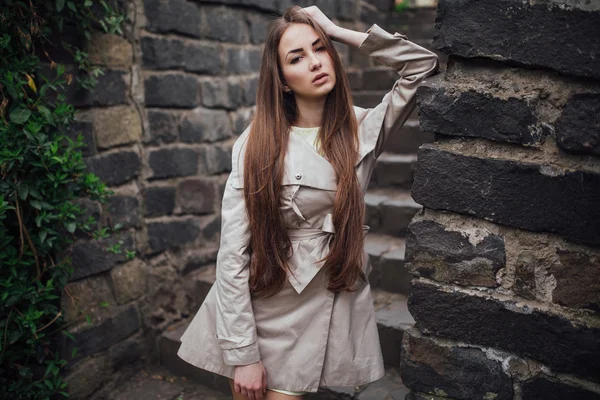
(42, 176)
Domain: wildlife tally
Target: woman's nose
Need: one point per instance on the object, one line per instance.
(315, 62)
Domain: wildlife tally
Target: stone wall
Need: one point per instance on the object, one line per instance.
(506, 254)
(178, 88)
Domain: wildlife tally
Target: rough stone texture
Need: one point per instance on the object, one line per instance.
(85, 296)
(549, 389)
(221, 93)
(111, 89)
(163, 126)
(531, 196)
(219, 159)
(171, 90)
(110, 50)
(87, 376)
(243, 60)
(115, 168)
(159, 200)
(162, 53)
(116, 126)
(226, 25)
(124, 210)
(172, 162)
(86, 130)
(164, 235)
(577, 280)
(101, 335)
(129, 280)
(543, 35)
(199, 258)
(197, 196)
(202, 58)
(250, 86)
(458, 372)
(179, 16)
(258, 25)
(203, 125)
(507, 325)
(451, 111)
(448, 256)
(578, 127)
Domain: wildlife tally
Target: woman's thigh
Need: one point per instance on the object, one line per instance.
(269, 395)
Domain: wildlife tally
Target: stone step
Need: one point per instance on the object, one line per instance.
(389, 210)
(387, 259)
(393, 170)
(408, 139)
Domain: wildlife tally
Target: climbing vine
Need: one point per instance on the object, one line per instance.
(42, 178)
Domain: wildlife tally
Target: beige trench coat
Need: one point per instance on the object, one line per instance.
(305, 335)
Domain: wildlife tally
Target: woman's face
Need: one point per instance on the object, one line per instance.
(304, 60)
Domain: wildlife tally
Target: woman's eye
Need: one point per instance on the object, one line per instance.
(295, 59)
(321, 48)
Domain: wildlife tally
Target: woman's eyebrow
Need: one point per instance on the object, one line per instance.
(300, 49)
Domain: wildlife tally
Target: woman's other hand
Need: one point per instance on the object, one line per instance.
(251, 380)
(325, 23)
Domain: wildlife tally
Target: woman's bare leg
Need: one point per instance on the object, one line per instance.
(269, 395)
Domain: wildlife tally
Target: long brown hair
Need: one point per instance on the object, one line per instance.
(276, 112)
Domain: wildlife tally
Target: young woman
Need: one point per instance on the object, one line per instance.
(291, 308)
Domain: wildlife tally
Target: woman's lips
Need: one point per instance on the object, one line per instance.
(320, 80)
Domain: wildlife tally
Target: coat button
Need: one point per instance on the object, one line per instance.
(298, 176)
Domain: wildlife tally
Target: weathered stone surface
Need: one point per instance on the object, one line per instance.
(85, 129)
(162, 53)
(578, 126)
(225, 25)
(448, 255)
(115, 168)
(258, 25)
(116, 126)
(163, 235)
(219, 160)
(212, 227)
(180, 16)
(241, 120)
(204, 125)
(110, 50)
(85, 296)
(163, 126)
(250, 88)
(394, 275)
(509, 326)
(90, 340)
(129, 280)
(549, 389)
(159, 200)
(536, 197)
(450, 111)
(124, 210)
(202, 58)
(111, 89)
(172, 162)
(459, 372)
(243, 60)
(199, 258)
(577, 280)
(221, 93)
(524, 285)
(126, 352)
(171, 90)
(547, 35)
(197, 196)
(87, 376)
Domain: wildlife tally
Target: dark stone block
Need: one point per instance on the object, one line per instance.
(225, 25)
(203, 125)
(197, 196)
(250, 89)
(578, 126)
(242, 61)
(219, 161)
(380, 79)
(211, 229)
(460, 372)
(258, 25)
(85, 128)
(124, 210)
(162, 53)
(524, 285)
(524, 195)
(163, 126)
(202, 58)
(549, 389)
(577, 280)
(172, 162)
(171, 90)
(474, 114)
(508, 326)
(447, 256)
(126, 352)
(164, 235)
(115, 168)
(111, 89)
(159, 200)
(221, 93)
(180, 16)
(91, 340)
(563, 38)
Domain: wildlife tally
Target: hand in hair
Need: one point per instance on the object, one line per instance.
(325, 23)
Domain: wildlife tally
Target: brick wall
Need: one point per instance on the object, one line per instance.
(506, 253)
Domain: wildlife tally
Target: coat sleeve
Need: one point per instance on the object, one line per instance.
(413, 63)
(236, 328)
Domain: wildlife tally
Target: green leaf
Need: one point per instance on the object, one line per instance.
(46, 113)
(20, 115)
(70, 226)
(59, 5)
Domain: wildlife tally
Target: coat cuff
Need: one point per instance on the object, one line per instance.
(242, 355)
(379, 38)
